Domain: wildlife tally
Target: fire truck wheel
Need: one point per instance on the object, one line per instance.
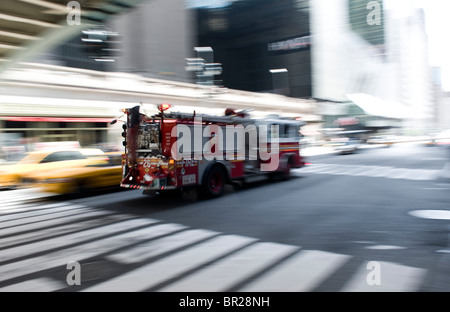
(287, 171)
(283, 174)
(214, 182)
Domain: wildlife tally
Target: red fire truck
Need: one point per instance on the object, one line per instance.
(179, 151)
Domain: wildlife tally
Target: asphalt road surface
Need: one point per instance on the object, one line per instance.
(376, 220)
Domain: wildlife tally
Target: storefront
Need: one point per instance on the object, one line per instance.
(26, 120)
(85, 130)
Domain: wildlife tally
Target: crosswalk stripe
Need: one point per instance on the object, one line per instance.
(313, 168)
(392, 278)
(34, 213)
(370, 171)
(324, 169)
(384, 172)
(355, 170)
(396, 173)
(35, 285)
(61, 229)
(49, 223)
(16, 207)
(302, 272)
(174, 265)
(339, 170)
(22, 208)
(160, 246)
(35, 219)
(65, 240)
(426, 174)
(22, 195)
(233, 269)
(79, 253)
(230, 259)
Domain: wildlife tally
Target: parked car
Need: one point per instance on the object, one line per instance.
(96, 173)
(387, 140)
(347, 146)
(18, 174)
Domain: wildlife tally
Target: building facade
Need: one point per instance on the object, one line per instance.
(373, 48)
(254, 39)
(333, 51)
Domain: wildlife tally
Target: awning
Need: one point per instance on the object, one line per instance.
(375, 106)
(56, 119)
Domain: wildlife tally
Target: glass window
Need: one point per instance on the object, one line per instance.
(64, 155)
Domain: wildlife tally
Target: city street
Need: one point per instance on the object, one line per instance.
(375, 220)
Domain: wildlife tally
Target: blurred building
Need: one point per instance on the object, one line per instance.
(300, 48)
(152, 40)
(443, 111)
(326, 49)
(368, 66)
(249, 38)
(441, 102)
(253, 39)
(156, 37)
(376, 52)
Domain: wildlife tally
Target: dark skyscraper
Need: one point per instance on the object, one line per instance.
(250, 38)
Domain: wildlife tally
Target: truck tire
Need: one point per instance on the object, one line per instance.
(284, 173)
(214, 182)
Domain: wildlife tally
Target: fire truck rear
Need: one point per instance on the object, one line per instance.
(177, 151)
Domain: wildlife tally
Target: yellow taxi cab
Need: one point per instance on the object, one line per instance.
(97, 173)
(19, 173)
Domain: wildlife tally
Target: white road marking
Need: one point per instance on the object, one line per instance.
(22, 208)
(302, 272)
(385, 247)
(431, 214)
(61, 257)
(63, 229)
(231, 270)
(169, 267)
(45, 217)
(65, 240)
(34, 213)
(393, 278)
(371, 171)
(49, 223)
(35, 285)
(160, 246)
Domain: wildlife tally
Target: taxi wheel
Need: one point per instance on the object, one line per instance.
(81, 188)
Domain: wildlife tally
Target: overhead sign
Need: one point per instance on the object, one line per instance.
(290, 44)
(346, 121)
